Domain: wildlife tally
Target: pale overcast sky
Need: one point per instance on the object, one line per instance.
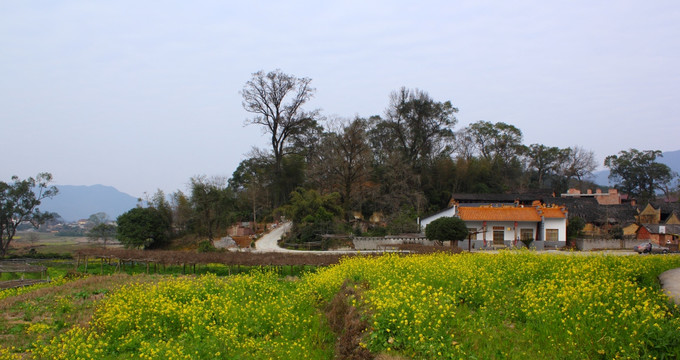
(142, 95)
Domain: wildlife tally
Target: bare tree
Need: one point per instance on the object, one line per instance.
(578, 163)
(465, 145)
(276, 99)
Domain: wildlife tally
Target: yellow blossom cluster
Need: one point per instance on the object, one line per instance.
(254, 316)
(511, 305)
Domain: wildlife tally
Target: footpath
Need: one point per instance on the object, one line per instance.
(670, 282)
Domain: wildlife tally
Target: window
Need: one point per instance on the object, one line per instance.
(526, 234)
(552, 234)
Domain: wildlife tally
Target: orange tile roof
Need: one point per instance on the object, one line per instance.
(499, 214)
(553, 213)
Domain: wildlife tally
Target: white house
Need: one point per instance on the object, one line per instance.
(507, 225)
(450, 212)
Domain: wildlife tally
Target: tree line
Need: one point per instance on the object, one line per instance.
(324, 173)
(328, 173)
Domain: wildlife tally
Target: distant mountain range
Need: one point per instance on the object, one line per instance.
(670, 158)
(73, 202)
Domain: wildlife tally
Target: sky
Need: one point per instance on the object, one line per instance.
(144, 95)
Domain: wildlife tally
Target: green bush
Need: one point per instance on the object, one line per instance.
(206, 246)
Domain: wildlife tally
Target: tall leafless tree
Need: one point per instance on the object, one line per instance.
(276, 99)
(578, 163)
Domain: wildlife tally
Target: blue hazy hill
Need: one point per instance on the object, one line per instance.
(74, 202)
(670, 158)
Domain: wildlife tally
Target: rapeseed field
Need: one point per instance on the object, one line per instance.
(511, 305)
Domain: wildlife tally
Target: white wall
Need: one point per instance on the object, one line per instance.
(559, 224)
(450, 212)
(509, 235)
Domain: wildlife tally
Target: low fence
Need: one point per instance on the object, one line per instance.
(21, 267)
(387, 242)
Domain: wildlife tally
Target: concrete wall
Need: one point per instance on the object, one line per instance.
(536, 245)
(610, 244)
(386, 243)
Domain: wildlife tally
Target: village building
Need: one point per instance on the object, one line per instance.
(664, 235)
(497, 220)
(611, 197)
(505, 225)
(600, 219)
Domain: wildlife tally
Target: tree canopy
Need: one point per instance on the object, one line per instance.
(446, 229)
(19, 201)
(143, 228)
(638, 173)
(335, 175)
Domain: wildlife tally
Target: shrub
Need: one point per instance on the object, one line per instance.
(206, 246)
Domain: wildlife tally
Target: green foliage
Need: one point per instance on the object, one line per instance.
(143, 227)
(206, 246)
(308, 206)
(420, 127)
(313, 215)
(446, 229)
(404, 222)
(575, 227)
(212, 202)
(19, 201)
(638, 173)
(70, 230)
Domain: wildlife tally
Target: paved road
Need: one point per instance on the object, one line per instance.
(269, 241)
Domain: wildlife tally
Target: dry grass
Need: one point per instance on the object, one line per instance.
(346, 322)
